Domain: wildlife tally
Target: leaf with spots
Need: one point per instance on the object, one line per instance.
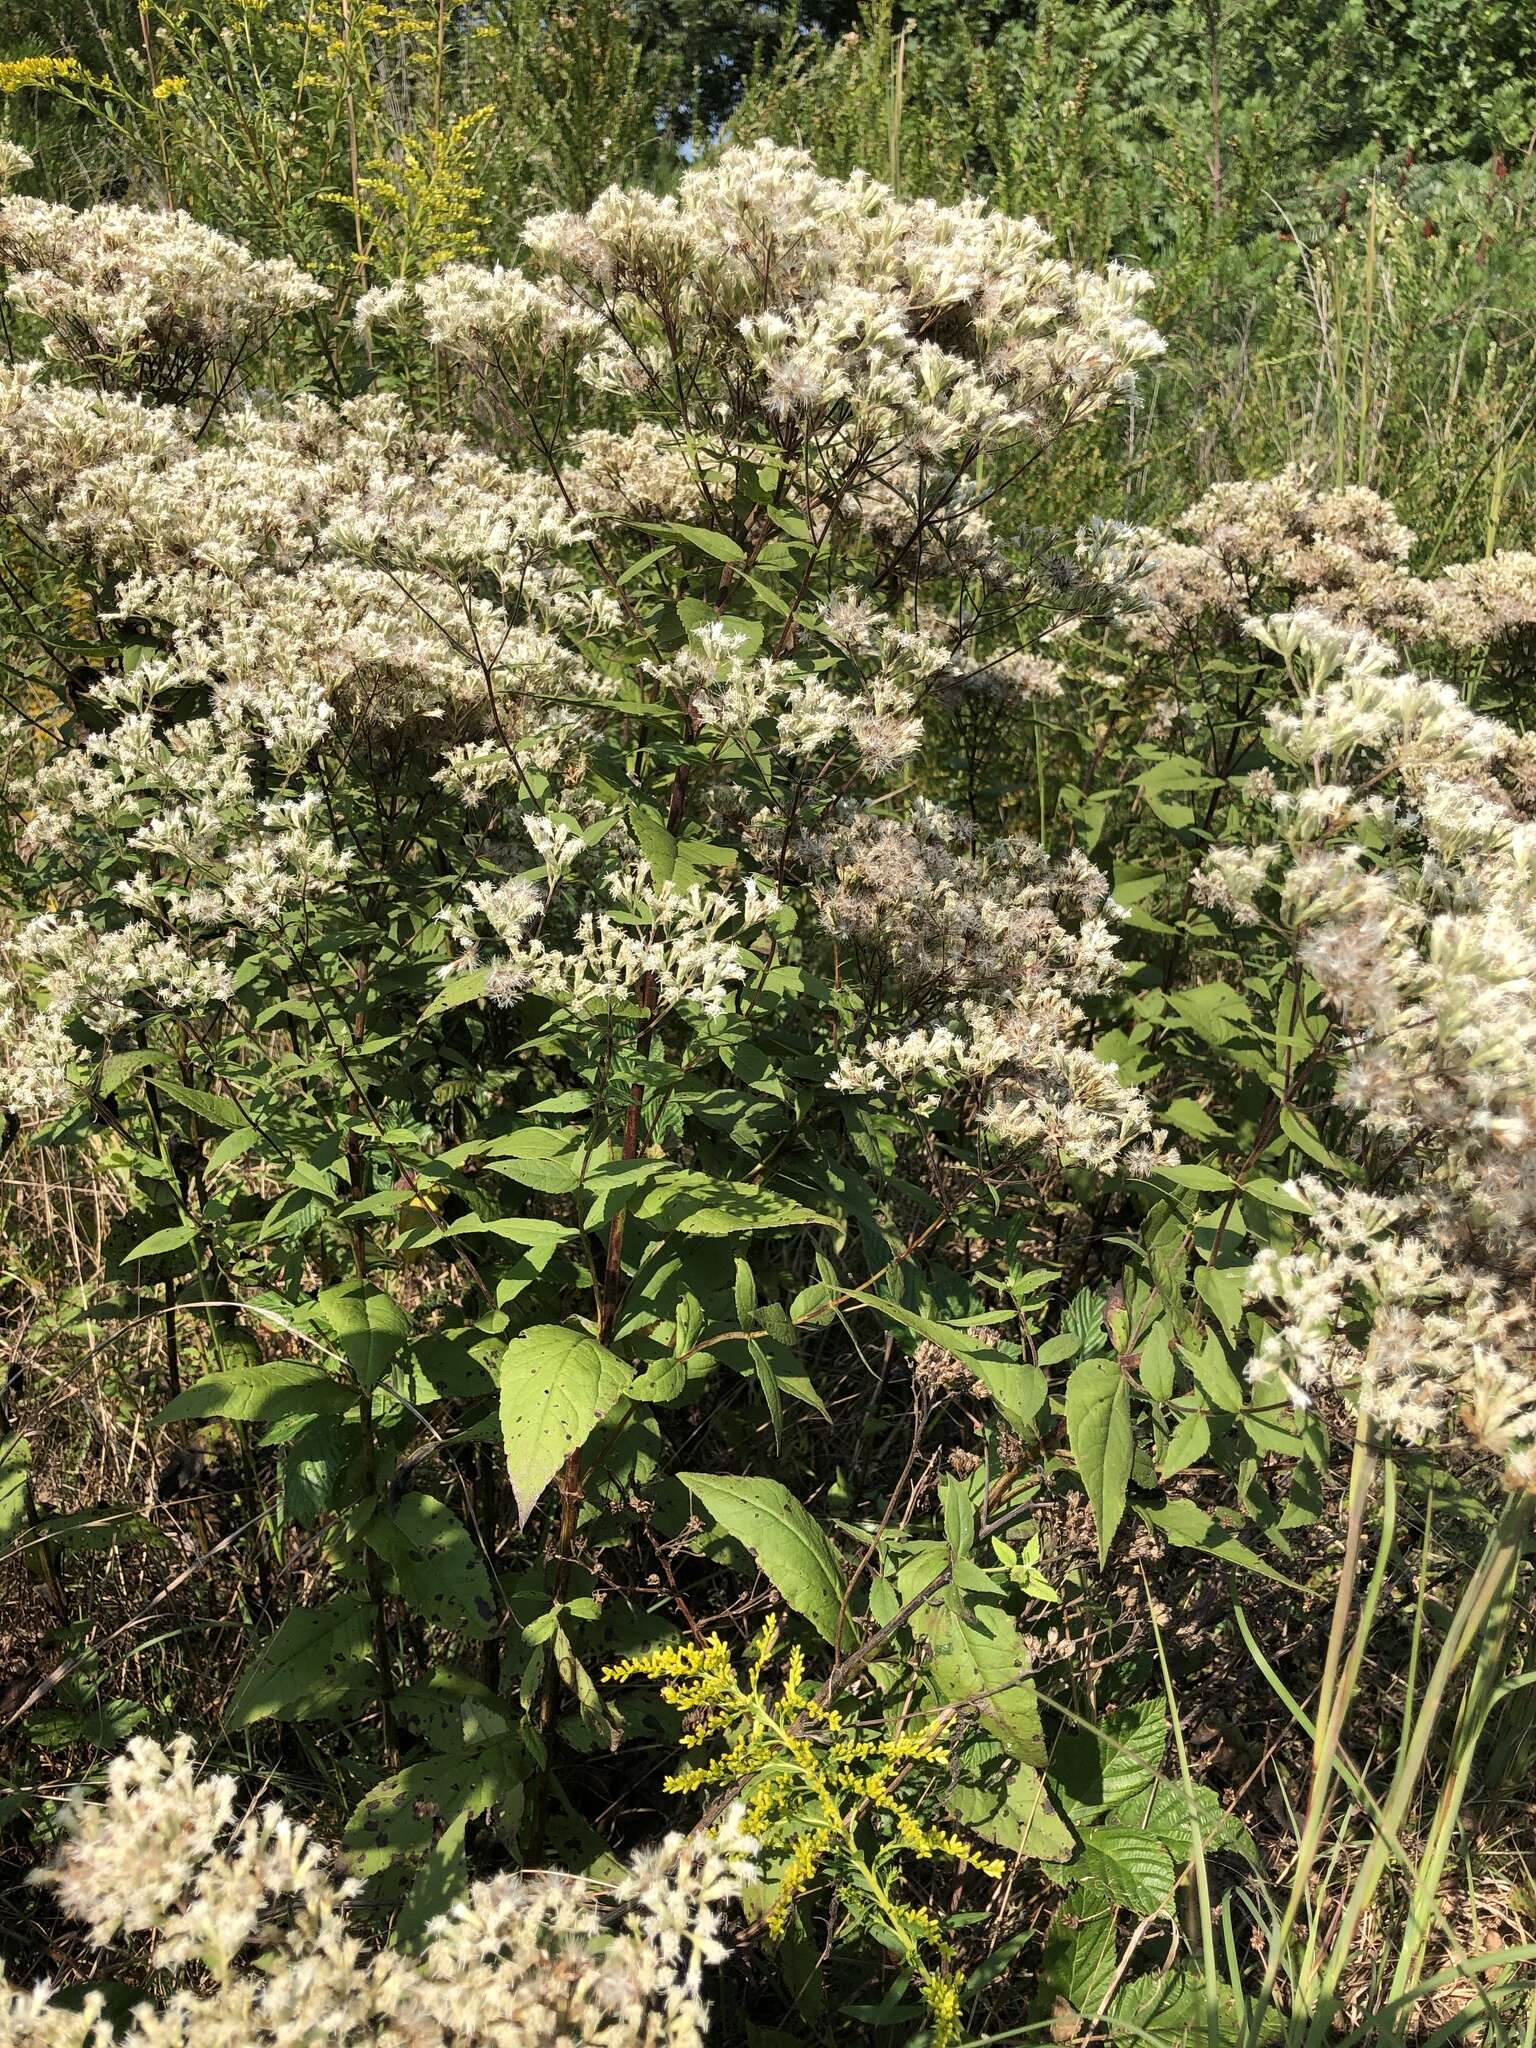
(440, 1572)
(317, 1659)
(400, 1817)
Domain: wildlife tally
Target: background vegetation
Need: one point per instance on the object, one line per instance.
(1234, 1699)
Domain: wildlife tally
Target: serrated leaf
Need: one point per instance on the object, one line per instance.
(103, 1527)
(693, 612)
(400, 1816)
(557, 1384)
(1099, 1432)
(1189, 1442)
(1133, 1867)
(1221, 1289)
(1213, 1373)
(217, 1110)
(979, 1659)
(1112, 1763)
(1005, 1802)
(786, 1543)
(1155, 1362)
(1077, 1960)
(1204, 1179)
(698, 1205)
(119, 1067)
(439, 1884)
(1017, 1387)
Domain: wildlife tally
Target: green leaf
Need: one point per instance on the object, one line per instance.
(959, 1516)
(370, 1329)
(161, 1241)
(440, 1882)
(1132, 1865)
(1017, 1388)
(261, 1393)
(782, 1537)
(315, 1661)
(1077, 1958)
(1005, 1802)
(1191, 1528)
(441, 1573)
(1301, 1134)
(15, 1469)
(217, 1110)
(1221, 1289)
(536, 1232)
(1190, 1441)
(693, 612)
(557, 1384)
(1099, 1432)
(654, 840)
(979, 1660)
(718, 546)
(119, 1067)
(1112, 1763)
(1204, 1179)
(1155, 1369)
(400, 1815)
(1213, 1373)
(457, 990)
(697, 1205)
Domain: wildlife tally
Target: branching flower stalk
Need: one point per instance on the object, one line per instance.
(825, 1801)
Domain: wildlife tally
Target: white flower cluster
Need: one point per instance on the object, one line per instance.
(867, 705)
(255, 1905)
(651, 942)
(1409, 881)
(310, 586)
(146, 298)
(1342, 554)
(882, 343)
(971, 940)
(1371, 1308)
(14, 160)
(1230, 878)
(310, 578)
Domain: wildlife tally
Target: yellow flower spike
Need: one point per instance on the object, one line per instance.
(43, 73)
(810, 1785)
(941, 1995)
(762, 1650)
